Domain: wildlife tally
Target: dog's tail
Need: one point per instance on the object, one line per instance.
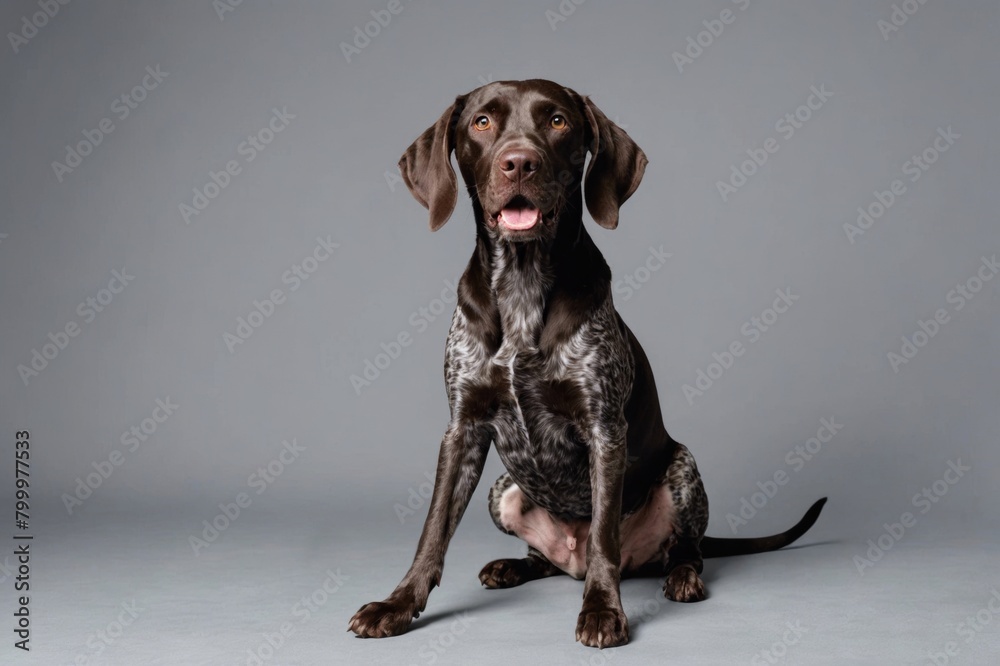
(712, 547)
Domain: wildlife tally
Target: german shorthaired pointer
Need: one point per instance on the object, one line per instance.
(539, 362)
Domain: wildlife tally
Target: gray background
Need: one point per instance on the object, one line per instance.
(332, 172)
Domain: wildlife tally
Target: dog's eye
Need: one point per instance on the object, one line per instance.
(558, 122)
(482, 123)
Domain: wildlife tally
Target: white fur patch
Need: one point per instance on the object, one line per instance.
(643, 532)
(562, 544)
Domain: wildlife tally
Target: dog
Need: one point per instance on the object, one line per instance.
(539, 362)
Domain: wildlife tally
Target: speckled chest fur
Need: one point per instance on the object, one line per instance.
(541, 395)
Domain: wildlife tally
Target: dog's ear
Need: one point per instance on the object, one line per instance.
(426, 166)
(615, 169)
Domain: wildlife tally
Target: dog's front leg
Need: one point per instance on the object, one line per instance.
(602, 622)
(460, 464)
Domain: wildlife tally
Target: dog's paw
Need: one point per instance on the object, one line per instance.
(684, 584)
(380, 619)
(601, 628)
(501, 574)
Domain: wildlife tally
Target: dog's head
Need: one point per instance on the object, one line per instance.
(521, 148)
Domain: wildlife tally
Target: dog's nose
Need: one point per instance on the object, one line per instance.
(518, 163)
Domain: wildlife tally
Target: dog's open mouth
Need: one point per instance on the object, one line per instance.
(519, 214)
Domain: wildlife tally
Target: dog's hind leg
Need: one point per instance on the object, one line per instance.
(504, 573)
(512, 572)
(682, 553)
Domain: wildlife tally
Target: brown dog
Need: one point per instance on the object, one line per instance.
(539, 362)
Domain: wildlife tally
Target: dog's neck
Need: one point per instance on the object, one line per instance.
(521, 280)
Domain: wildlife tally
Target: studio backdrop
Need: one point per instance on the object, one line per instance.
(224, 317)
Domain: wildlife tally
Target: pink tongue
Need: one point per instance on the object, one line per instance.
(519, 218)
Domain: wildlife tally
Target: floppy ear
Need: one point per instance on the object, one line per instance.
(426, 167)
(615, 170)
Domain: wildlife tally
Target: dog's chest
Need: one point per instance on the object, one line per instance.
(532, 399)
(541, 396)
(537, 434)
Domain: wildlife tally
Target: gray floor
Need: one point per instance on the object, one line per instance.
(216, 607)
